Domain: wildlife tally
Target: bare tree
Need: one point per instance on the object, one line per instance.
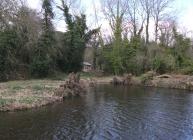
(147, 7)
(136, 17)
(166, 38)
(71, 3)
(160, 7)
(28, 28)
(114, 12)
(73, 6)
(8, 10)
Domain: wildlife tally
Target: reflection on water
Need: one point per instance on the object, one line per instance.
(107, 113)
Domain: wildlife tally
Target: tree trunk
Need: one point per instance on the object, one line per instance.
(156, 29)
(147, 29)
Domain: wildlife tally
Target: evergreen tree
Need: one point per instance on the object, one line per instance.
(74, 41)
(43, 60)
(8, 47)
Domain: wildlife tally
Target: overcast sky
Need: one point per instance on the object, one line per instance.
(185, 8)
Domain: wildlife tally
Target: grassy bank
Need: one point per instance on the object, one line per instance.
(20, 95)
(17, 95)
(24, 94)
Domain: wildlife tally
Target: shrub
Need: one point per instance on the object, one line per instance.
(8, 45)
(40, 67)
(163, 63)
(147, 76)
(187, 70)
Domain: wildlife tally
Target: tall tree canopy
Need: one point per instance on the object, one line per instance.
(43, 60)
(74, 41)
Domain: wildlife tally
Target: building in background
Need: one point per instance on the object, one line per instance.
(87, 67)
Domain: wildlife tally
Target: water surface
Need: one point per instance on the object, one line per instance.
(107, 113)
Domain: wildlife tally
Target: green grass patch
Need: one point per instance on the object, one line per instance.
(4, 102)
(58, 76)
(87, 74)
(17, 87)
(145, 77)
(37, 87)
(30, 100)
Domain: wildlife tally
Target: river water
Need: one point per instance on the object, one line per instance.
(107, 113)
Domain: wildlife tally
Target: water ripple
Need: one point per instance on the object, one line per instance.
(107, 113)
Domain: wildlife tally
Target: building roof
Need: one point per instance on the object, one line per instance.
(87, 64)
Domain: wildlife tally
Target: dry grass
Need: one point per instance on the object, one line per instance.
(19, 95)
(16, 95)
(103, 80)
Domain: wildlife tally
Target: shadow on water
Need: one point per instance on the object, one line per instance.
(107, 113)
